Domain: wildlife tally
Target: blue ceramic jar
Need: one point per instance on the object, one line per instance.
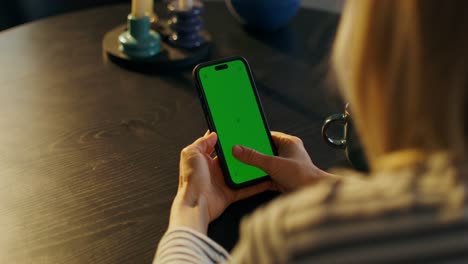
(266, 15)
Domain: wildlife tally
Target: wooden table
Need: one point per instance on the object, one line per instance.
(89, 151)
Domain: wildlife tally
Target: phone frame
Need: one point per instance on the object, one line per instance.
(212, 126)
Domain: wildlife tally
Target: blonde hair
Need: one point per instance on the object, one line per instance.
(402, 65)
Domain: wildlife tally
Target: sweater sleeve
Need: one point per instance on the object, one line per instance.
(185, 245)
(261, 238)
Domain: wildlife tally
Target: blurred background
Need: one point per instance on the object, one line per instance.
(17, 12)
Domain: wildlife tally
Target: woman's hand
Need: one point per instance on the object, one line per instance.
(202, 194)
(292, 169)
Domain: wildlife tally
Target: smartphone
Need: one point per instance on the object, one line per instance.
(233, 110)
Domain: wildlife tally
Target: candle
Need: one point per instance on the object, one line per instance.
(185, 4)
(142, 8)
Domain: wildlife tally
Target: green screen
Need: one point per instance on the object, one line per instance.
(236, 115)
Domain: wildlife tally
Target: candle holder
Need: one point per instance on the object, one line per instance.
(186, 24)
(138, 48)
(139, 41)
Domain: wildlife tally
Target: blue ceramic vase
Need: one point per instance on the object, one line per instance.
(265, 15)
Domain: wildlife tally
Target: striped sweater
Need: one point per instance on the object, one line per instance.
(417, 214)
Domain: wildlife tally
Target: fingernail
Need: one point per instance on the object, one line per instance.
(237, 150)
(207, 133)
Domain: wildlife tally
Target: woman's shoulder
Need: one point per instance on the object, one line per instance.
(356, 207)
(439, 184)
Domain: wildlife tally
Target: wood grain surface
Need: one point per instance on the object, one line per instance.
(89, 151)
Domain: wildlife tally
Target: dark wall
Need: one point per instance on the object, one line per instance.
(15, 12)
